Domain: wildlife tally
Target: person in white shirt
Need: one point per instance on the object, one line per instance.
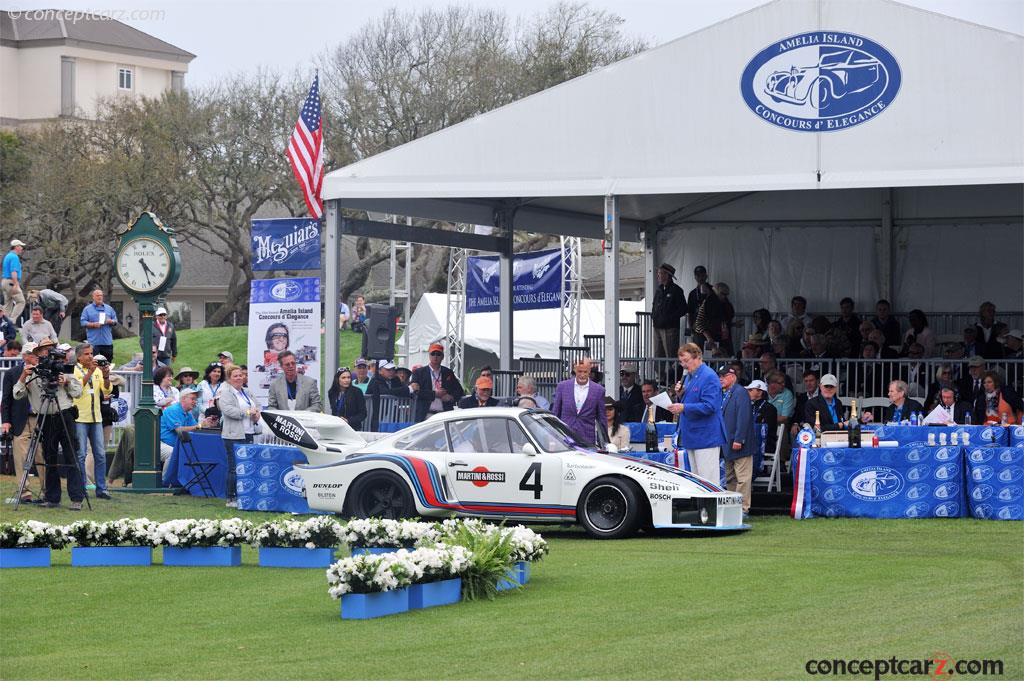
(948, 411)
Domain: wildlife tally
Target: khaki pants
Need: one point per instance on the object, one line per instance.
(20, 449)
(14, 303)
(738, 478)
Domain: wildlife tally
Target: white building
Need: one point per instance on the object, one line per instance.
(54, 65)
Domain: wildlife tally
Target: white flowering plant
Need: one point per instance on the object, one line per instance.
(385, 533)
(189, 533)
(318, 532)
(123, 532)
(371, 573)
(33, 534)
(525, 544)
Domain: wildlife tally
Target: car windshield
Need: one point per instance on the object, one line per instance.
(550, 433)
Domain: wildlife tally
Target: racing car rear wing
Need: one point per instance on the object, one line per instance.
(323, 438)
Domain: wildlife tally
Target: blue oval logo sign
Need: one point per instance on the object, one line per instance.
(820, 81)
(285, 290)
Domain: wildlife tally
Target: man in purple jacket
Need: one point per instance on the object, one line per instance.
(579, 402)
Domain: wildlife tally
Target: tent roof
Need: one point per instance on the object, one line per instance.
(671, 121)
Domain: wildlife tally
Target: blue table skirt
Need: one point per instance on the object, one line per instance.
(911, 481)
(268, 480)
(638, 431)
(209, 449)
(1017, 436)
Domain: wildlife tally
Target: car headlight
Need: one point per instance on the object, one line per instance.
(704, 516)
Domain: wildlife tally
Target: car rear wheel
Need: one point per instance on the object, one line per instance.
(381, 494)
(609, 508)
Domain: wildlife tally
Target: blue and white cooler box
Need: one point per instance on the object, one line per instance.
(995, 482)
(267, 479)
(897, 482)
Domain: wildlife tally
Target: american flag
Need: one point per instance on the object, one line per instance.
(306, 151)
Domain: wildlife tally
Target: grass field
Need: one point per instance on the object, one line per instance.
(755, 605)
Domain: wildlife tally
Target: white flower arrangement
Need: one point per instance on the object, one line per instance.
(389, 571)
(123, 532)
(33, 534)
(190, 533)
(526, 544)
(389, 533)
(318, 532)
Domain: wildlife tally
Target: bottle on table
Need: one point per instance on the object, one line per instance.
(1002, 419)
(650, 430)
(817, 429)
(853, 430)
(967, 418)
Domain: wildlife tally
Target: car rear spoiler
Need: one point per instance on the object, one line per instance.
(323, 438)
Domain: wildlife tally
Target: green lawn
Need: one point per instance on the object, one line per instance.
(755, 605)
(199, 347)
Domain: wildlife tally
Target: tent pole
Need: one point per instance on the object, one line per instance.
(650, 260)
(886, 262)
(332, 283)
(611, 296)
(503, 221)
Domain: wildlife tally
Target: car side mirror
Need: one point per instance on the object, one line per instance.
(529, 449)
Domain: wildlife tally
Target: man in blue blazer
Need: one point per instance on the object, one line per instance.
(741, 441)
(579, 402)
(699, 431)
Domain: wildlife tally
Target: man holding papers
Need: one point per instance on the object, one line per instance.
(948, 411)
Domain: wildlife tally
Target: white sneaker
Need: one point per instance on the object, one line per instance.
(232, 504)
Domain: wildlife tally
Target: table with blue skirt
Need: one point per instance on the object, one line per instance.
(268, 479)
(910, 481)
(918, 435)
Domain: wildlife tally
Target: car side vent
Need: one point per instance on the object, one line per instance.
(641, 469)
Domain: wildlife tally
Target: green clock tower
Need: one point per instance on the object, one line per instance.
(148, 265)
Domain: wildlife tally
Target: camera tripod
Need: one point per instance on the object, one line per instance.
(66, 444)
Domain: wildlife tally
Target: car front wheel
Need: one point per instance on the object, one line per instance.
(609, 508)
(381, 494)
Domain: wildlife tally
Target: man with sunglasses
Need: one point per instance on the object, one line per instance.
(435, 387)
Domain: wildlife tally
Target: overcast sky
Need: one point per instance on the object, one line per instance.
(240, 35)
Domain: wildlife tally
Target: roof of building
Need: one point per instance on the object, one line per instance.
(44, 27)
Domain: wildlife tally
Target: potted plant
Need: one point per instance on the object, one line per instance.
(440, 582)
(27, 543)
(372, 585)
(203, 543)
(121, 542)
(377, 535)
(297, 543)
(491, 568)
(527, 547)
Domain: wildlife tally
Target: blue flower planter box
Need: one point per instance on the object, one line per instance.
(95, 556)
(24, 558)
(372, 550)
(284, 557)
(203, 556)
(433, 594)
(368, 606)
(523, 571)
(510, 581)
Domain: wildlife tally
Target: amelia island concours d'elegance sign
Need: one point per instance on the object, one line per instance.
(820, 81)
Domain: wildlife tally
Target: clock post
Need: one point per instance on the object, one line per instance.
(148, 265)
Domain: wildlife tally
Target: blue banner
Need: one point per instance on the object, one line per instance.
(995, 482)
(286, 244)
(919, 435)
(267, 479)
(537, 281)
(887, 482)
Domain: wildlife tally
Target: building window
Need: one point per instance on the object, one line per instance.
(180, 314)
(124, 78)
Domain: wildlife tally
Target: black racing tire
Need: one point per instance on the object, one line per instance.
(380, 494)
(610, 508)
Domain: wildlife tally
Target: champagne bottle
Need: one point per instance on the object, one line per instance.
(817, 429)
(853, 430)
(650, 430)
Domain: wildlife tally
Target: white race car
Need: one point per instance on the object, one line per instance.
(497, 463)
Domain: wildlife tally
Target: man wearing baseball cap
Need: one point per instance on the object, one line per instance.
(766, 415)
(435, 387)
(165, 338)
(667, 309)
(740, 439)
(383, 383)
(826, 405)
(483, 397)
(14, 296)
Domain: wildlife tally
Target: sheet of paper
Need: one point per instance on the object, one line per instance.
(661, 400)
(162, 345)
(938, 415)
(103, 317)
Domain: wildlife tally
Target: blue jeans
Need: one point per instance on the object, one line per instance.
(93, 432)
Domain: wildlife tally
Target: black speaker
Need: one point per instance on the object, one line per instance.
(379, 335)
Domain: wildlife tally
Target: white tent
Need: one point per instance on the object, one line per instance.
(536, 330)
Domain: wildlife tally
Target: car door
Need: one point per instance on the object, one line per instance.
(491, 475)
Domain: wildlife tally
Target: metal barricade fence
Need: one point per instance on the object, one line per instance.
(395, 409)
(546, 373)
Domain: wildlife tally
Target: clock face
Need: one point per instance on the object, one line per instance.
(143, 265)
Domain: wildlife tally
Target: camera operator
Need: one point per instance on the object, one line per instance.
(110, 414)
(89, 423)
(19, 421)
(49, 378)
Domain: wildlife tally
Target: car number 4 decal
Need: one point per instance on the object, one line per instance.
(532, 472)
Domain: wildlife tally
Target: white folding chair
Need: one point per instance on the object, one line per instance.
(774, 478)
